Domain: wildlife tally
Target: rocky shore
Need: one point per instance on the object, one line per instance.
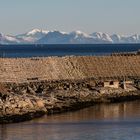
(32, 87)
(17, 108)
(21, 102)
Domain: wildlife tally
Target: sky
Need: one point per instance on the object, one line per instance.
(109, 16)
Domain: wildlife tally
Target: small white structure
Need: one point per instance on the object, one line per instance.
(111, 84)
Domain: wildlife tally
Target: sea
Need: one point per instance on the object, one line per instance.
(116, 121)
(64, 50)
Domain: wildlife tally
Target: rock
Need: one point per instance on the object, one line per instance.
(40, 103)
(31, 91)
(19, 105)
(25, 101)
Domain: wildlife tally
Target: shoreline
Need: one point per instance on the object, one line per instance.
(75, 107)
(32, 87)
(26, 105)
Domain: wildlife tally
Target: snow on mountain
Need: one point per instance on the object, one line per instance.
(75, 37)
(54, 37)
(115, 38)
(78, 37)
(102, 37)
(125, 39)
(37, 36)
(34, 32)
(7, 39)
(32, 36)
(79, 34)
(131, 39)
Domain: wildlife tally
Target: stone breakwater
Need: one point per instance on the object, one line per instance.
(22, 70)
(29, 100)
(32, 87)
(17, 108)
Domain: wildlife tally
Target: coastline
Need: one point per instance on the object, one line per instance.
(33, 87)
(24, 103)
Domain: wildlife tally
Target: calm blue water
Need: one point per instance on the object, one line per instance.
(119, 121)
(62, 50)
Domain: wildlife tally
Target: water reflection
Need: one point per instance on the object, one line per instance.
(105, 121)
(3, 132)
(98, 112)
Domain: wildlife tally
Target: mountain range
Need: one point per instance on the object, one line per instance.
(37, 36)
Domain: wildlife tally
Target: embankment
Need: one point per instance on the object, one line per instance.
(32, 87)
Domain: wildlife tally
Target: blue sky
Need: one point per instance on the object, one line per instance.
(110, 16)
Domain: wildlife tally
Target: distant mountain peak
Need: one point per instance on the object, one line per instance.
(102, 36)
(35, 31)
(58, 37)
(80, 34)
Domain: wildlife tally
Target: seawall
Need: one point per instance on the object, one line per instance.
(32, 87)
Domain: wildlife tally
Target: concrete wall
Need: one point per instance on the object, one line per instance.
(111, 84)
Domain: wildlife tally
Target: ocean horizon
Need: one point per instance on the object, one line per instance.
(41, 50)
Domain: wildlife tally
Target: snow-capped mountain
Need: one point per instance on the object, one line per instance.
(78, 37)
(102, 37)
(116, 38)
(125, 39)
(37, 36)
(75, 37)
(32, 36)
(7, 39)
(54, 37)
